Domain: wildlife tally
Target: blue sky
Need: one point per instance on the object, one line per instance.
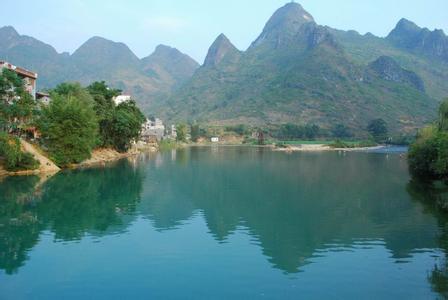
(191, 26)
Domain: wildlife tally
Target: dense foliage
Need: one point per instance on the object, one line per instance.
(126, 125)
(428, 155)
(69, 127)
(16, 104)
(14, 158)
(195, 132)
(239, 129)
(181, 130)
(378, 129)
(16, 111)
(104, 107)
(79, 119)
(293, 131)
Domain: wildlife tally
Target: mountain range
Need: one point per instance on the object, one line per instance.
(296, 71)
(100, 59)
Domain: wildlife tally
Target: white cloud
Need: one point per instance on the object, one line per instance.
(164, 23)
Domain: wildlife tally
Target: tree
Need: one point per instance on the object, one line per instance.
(126, 125)
(17, 106)
(443, 116)
(195, 132)
(69, 128)
(104, 107)
(341, 131)
(181, 130)
(428, 155)
(15, 158)
(378, 129)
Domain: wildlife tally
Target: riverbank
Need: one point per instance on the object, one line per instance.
(99, 156)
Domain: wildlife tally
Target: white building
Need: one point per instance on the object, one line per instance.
(121, 99)
(43, 98)
(173, 132)
(153, 130)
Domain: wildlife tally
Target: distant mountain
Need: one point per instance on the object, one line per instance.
(295, 71)
(170, 65)
(100, 59)
(300, 72)
(222, 50)
(409, 36)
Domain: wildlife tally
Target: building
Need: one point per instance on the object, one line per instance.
(153, 131)
(121, 99)
(29, 78)
(43, 98)
(173, 132)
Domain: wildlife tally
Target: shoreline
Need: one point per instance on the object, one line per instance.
(99, 157)
(324, 148)
(103, 156)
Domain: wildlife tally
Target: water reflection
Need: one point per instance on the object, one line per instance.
(295, 207)
(434, 197)
(70, 204)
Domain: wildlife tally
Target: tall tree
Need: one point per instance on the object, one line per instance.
(378, 129)
(69, 128)
(104, 107)
(181, 130)
(195, 132)
(443, 116)
(126, 125)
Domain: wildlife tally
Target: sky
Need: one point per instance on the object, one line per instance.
(192, 25)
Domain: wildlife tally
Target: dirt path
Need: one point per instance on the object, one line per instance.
(46, 165)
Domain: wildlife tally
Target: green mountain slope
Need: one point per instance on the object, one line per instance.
(100, 59)
(297, 71)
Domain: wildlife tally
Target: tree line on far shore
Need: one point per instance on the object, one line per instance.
(76, 121)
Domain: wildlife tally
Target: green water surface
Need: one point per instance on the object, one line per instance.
(225, 223)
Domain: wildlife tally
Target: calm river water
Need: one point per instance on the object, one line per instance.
(225, 223)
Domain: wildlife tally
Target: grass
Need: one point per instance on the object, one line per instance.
(167, 145)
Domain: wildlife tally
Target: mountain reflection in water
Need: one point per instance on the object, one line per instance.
(296, 208)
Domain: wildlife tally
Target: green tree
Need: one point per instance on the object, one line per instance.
(104, 107)
(17, 106)
(341, 131)
(428, 155)
(126, 125)
(378, 129)
(443, 116)
(195, 132)
(69, 127)
(181, 130)
(15, 158)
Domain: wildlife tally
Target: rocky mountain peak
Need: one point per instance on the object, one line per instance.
(409, 36)
(388, 69)
(8, 32)
(100, 51)
(220, 49)
(284, 24)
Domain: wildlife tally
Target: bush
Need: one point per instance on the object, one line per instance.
(15, 159)
(428, 155)
(240, 129)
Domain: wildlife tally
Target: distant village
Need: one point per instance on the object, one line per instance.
(153, 130)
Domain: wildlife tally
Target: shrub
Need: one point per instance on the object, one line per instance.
(15, 159)
(427, 155)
